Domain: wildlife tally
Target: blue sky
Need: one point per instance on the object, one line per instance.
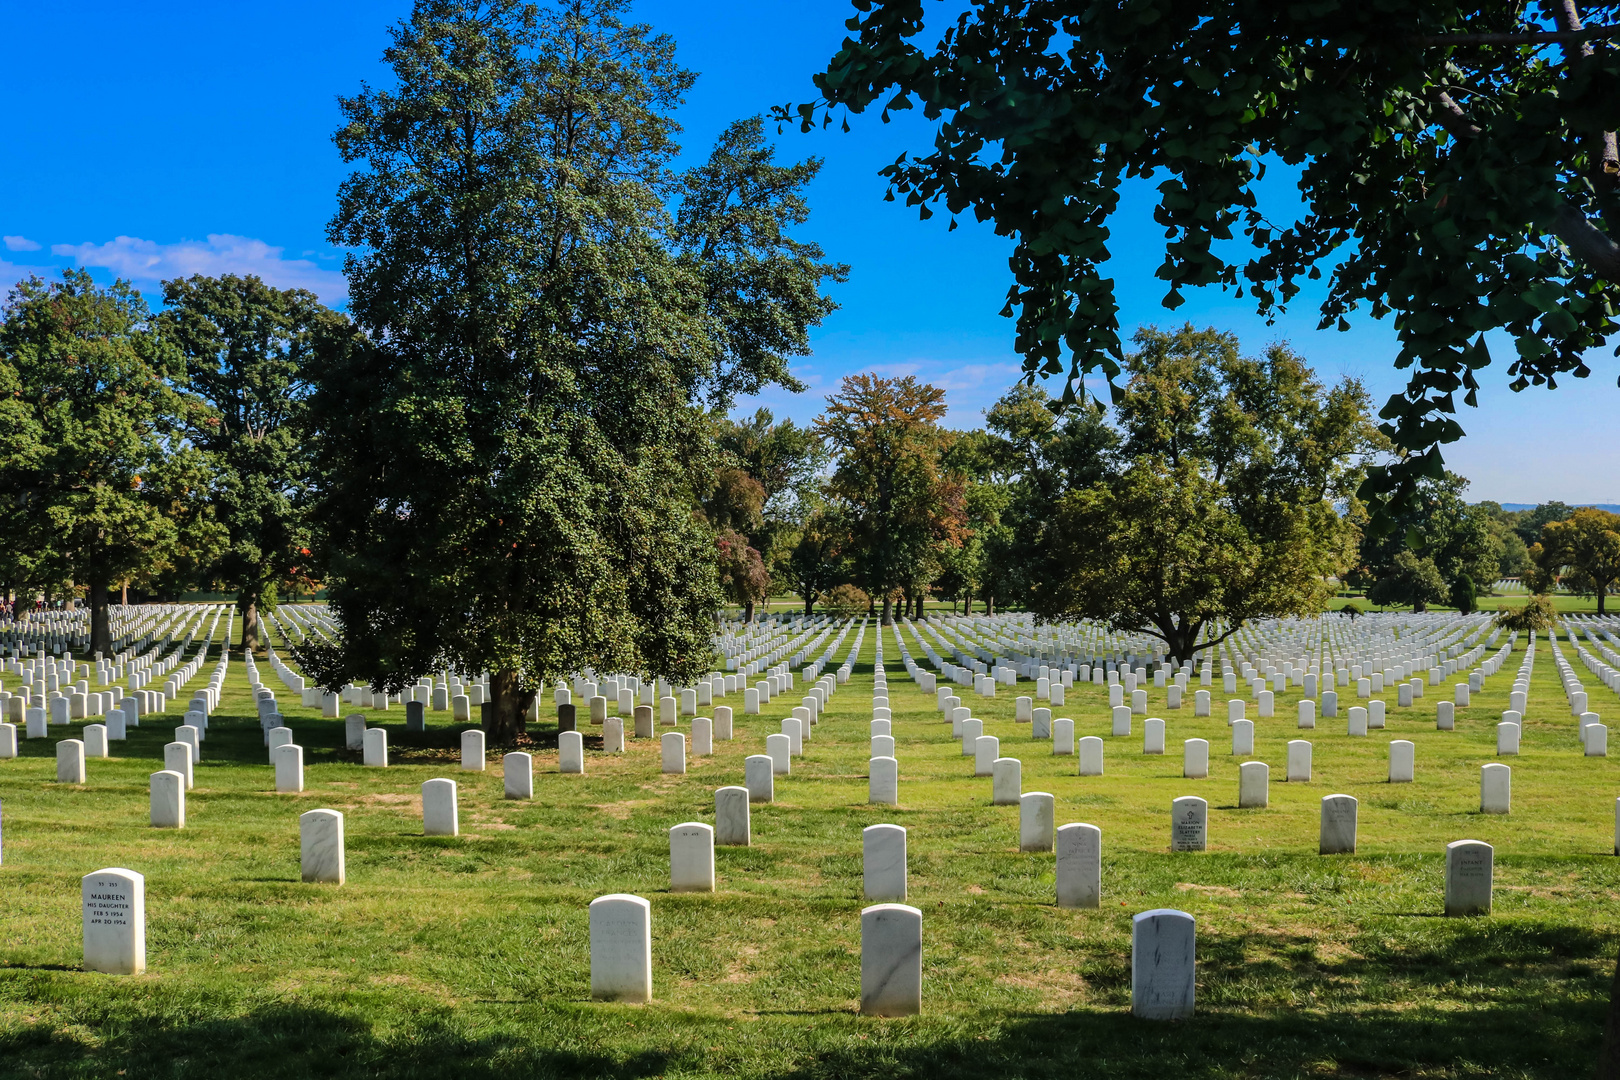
(149, 141)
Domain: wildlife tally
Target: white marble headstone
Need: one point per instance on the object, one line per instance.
(114, 909)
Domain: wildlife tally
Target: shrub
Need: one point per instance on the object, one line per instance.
(1537, 614)
(846, 600)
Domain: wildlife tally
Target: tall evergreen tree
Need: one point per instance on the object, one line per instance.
(510, 453)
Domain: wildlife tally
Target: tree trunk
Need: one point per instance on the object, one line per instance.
(967, 603)
(809, 603)
(100, 624)
(1601, 593)
(250, 622)
(1419, 607)
(508, 716)
(989, 603)
(748, 612)
(888, 610)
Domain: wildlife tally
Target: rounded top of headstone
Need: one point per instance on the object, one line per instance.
(1187, 799)
(1469, 843)
(1162, 913)
(1037, 795)
(321, 814)
(901, 829)
(879, 909)
(623, 898)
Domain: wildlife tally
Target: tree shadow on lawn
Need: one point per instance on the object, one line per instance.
(1490, 999)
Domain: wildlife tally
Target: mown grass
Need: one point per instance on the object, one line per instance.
(468, 957)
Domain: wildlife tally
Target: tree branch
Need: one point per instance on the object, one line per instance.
(1528, 37)
(1587, 242)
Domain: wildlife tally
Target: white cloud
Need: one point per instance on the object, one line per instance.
(20, 243)
(145, 261)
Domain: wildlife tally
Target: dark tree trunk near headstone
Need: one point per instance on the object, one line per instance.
(508, 716)
(809, 603)
(250, 622)
(888, 610)
(967, 603)
(100, 624)
(989, 603)
(748, 612)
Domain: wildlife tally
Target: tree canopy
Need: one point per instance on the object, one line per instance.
(513, 443)
(246, 348)
(1457, 164)
(1224, 501)
(97, 485)
(1582, 552)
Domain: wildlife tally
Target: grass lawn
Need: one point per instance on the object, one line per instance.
(468, 957)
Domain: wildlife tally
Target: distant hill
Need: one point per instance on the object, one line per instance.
(1613, 508)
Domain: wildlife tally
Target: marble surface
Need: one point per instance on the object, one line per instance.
(1468, 877)
(883, 780)
(70, 762)
(1495, 789)
(1091, 756)
(114, 909)
(177, 758)
(1006, 781)
(793, 728)
(1299, 761)
(1195, 759)
(986, 748)
(95, 740)
(1189, 821)
(1036, 814)
(883, 862)
(472, 752)
(1402, 761)
(168, 799)
(1153, 735)
(320, 834)
(891, 960)
(440, 809)
(1079, 866)
(722, 722)
(1243, 738)
(691, 857)
(8, 740)
(613, 735)
(780, 749)
(288, 758)
(518, 771)
(702, 736)
(672, 752)
(759, 776)
(571, 752)
(1163, 964)
(621, 948)
(1063, 735)
(1338, 825)
(1254, 785)
(732, 824)
(354, 732)
(375, 753)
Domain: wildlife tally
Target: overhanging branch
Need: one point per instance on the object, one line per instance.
(1527, 37)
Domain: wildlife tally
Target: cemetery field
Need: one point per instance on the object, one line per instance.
(469, 957)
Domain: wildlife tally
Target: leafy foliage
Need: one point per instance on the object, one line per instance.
(1457, 163)
(1223, 510)
(246, 348)
(95, 485)
(1446, 539)
(1535, 616)
(512, 451)
(894, 498)
(1582, 552)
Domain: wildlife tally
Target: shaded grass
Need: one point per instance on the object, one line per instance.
(468, 956)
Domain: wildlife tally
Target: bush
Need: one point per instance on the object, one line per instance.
(846, 600)
(1350, 610)
(1536, 615)
(1463, 596)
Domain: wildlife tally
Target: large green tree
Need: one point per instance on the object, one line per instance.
(98, 486)
(1582, 552)
(1456, 163)
(889, 484)
(511, 447)
(1225, 508)
(247, 347)
(1441, 539)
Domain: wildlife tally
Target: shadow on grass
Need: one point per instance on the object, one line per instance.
(1491, 999)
